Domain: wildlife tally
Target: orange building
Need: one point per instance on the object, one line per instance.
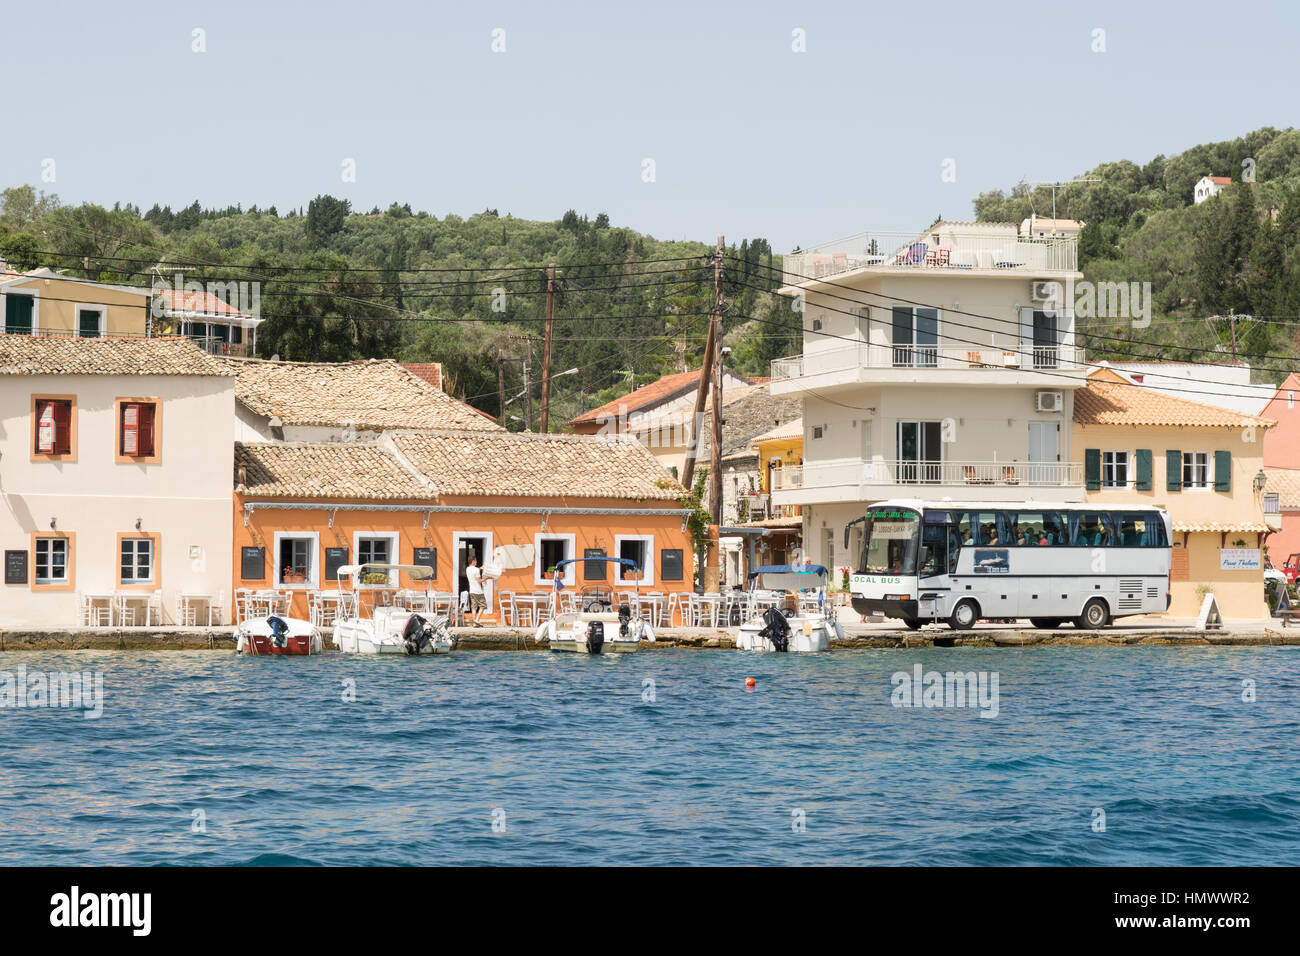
(522, 502)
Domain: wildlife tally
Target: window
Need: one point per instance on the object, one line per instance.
(90, 322)
(818, 431)
(638, 548)
(377, 548)
(1037, 529)
(981, 527)
(52, 560)
(1139, 530)
(1092, 529)
(828, 549)
(295, 559)
(817, 325)
(1290, 399)
(1114, 469)
(136, 561)
(915, 336)
(19, 314)
(137, 429)
(549, 550)
(1196, 469)
(54, 428)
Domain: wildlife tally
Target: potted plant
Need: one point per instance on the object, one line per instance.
(374, 577)
(290, 576)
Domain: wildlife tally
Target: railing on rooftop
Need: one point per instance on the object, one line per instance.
(972, 474)
(854, 355)
(942, 247)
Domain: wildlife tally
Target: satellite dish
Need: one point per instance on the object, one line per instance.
(275, 357)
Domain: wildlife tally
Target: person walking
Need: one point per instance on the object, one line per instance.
(477, 602)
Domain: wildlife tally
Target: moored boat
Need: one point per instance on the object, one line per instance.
(790, 625)
(277, 635)
(595, 631)
(389, 628)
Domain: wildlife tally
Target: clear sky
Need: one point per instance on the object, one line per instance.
(748, 137)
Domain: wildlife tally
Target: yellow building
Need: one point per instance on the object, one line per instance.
(1203, 464)
(45, 302)
(779, 448)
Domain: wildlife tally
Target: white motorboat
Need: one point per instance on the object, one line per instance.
(592, 630)
(386, 627)
(794, 626)
(276, 635)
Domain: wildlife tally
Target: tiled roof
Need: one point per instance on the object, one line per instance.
(794, 521)
(1220, 180)
(327, 470)
(46, 355)
(1286, 482)
(791, 429)
(660, 390)
(191, 302)
(1109, 403)
(1223, 527)
(514, 465)
(371, 395)
(431, 372)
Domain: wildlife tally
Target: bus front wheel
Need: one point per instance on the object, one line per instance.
(964, 615)
(1094, 617)
(912, 623)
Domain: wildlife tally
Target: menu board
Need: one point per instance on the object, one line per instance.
(670, 564)
(252, 564)
(15, 567)
(427, 557)
(593, 570)
(335, 558)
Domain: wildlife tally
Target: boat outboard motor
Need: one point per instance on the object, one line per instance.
(417, 635)
(624, 620)
(595, 636)
(776, 629)
(279, 631)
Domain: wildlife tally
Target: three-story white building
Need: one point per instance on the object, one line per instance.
(939, 364)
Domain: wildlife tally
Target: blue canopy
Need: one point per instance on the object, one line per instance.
(790, 569)
(626, 562)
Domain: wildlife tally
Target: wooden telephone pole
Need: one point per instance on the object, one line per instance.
(706, 368)
(715, 446)
(501, 390)
(546, 351)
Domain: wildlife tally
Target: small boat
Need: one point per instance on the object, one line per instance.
(277, 635)
(791, 628)
(594, 631)
(388, 628)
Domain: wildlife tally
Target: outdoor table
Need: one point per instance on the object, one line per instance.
(109, 599)
(122, 599)
(191, 602)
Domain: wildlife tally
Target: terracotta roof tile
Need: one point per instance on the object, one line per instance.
(192, 302)
(660, 390)
(1228, 527)
(1286, 482)
(372, 395)
(47, 355)
(431, 372)
(326, 470)
(1109, 403)
(514, 465)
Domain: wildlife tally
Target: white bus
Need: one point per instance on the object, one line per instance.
(960, 562)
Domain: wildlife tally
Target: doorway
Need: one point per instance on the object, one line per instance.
(920, 452)
(464, 544)
(1044, 452)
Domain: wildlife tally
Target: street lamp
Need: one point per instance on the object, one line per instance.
(1260, 481)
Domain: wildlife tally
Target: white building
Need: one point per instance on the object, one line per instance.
(115, 467)
(932, 366)
(1222, 384)
(1208, 186)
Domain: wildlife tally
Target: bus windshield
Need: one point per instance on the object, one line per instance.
(892, 537)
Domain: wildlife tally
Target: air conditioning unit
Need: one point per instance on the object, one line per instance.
(1048, 401)
(1045, 291)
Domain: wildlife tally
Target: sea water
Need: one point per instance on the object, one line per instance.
(1107, 755)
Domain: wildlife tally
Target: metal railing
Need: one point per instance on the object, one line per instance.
(1272, 503)
(997, 246)
(970, 474)
(854, 355)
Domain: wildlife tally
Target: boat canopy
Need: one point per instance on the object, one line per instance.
(790, 569)
(790, 577)
(418, 572)
(626, 562)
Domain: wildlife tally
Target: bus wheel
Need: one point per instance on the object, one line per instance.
(1095, 615)
(1047, 622)
(913, 623)
(964, 615)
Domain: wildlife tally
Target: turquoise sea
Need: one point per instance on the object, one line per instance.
(661, 757)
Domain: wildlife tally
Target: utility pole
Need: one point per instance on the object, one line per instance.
(546, 350)
(715, 449)
(702, 394)
(528, 396)
(1232, 326)
(501, 390)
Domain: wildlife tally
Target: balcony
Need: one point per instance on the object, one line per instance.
(944, 247)
(862, 363)
(964, 480)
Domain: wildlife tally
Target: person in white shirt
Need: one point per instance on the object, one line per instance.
(477, 602)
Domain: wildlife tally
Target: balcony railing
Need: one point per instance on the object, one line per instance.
(970, 474)
(862, 355)
(1000, 246)
(1272, 503)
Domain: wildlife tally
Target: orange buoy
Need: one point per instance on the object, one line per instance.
(749, 682)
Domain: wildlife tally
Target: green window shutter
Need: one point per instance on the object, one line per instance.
(1223, 471)
(1092, 469)
(18, 314)
(1173, 470)
(1144, 469)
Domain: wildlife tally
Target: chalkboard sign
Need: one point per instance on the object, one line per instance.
(335, 558)
(15, 567)
(252, 564)
(427, 557)
(594, 570)
(670, 564)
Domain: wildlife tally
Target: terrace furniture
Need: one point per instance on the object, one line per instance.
(97, 610)
(1009, 475)
(914, 256)
(188, 607)
(506, 604)
(130, 606)
(939, 257)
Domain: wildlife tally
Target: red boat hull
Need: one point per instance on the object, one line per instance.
(292, 645)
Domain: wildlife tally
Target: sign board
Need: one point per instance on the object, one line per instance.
(1240, 559)
(15, 567)
(992, 561)
(1209, 618)
(427, 557)
(335, 558)
(252, 564)
(670, 564)
(594, 570)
